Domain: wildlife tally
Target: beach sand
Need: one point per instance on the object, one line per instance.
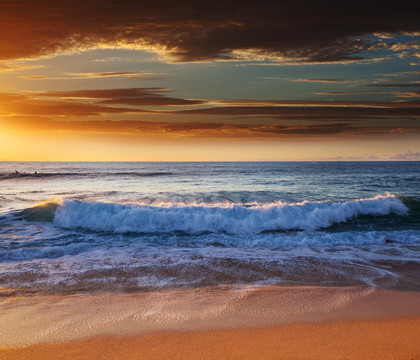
(394, 339)
(214, 323)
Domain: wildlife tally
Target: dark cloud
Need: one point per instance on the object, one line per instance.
(414, 94)
(157, 100)
(105, 93)
(34, 77)
(311, 31)
(110, 74)
(191, 126)
(256, 119)
(402, 73)
(322, 80)
(306, 130)
(203, 129)
(71, 76)
(306, 110)
(352, 92)
(399, 93)
(346, 103)
(413, 84)
(338, 51)
(32, 105)
(130, 96)
(96, 102)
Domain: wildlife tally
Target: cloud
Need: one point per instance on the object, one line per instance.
(408, 84)
(106, 74)
(325, 103)
(352, 92)
(73, 76)
(17, 66)
(402, 73)
(35, 77)
(95, 102)
(32, 105)
(196, 129)
(322, 80)
(365, 157)
(127, 96)
(306, 111)
(400, 94)
(413, 45)
(310, 32)
(408, 155)
(408, 94)
(126, 109)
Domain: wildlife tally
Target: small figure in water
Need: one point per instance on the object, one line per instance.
(35, 173)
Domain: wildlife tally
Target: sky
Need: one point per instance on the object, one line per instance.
(90, 80)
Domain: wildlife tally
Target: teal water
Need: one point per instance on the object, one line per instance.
(71, 227)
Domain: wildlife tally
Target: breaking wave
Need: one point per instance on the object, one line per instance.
(216, 218)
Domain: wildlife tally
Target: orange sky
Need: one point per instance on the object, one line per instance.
(90, 80)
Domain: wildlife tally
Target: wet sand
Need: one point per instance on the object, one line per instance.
(214, 323)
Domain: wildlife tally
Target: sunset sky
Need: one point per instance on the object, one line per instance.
(209, 80)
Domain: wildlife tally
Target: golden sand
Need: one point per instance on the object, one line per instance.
(378, 340)
(214, 323)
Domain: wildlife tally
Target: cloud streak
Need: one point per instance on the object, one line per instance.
(129, 111)
(31, 105)
(333, 81)
(402, 94)
(306, 110)
(408, 155)
(94, 102)
(74, 76)
(397, 85)
(127, 96)
(206, 130)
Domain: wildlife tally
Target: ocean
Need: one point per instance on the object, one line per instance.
(76, 227)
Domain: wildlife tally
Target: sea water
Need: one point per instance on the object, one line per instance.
(69, 227)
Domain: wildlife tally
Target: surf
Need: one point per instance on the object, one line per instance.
(214, 218)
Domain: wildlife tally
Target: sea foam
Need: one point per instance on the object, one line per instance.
(219, 218)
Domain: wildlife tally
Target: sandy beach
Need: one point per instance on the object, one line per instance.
(394, 339)
(215, 323)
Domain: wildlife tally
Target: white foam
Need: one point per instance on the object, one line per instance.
(219, 218)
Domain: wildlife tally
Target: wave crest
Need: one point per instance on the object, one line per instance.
(219, 218)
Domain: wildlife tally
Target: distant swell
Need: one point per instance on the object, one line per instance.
(24, 175)
(219, 218)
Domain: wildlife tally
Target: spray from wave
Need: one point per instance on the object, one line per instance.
(219, 218)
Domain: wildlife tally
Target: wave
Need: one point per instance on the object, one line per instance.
(12, 176)
(44, 212)
(217, 218)
(36, 175)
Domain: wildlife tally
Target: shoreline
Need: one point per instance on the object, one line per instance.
(29, 321)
